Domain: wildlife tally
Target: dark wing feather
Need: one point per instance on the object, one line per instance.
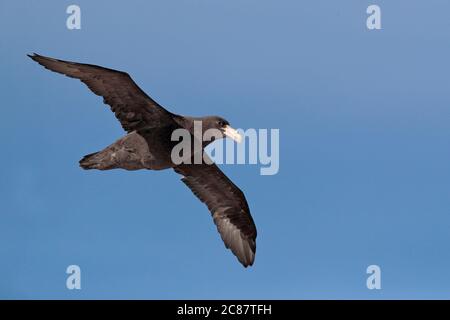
(228, 207)
(132, 106)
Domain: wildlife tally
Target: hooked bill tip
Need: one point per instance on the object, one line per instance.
(233, 134)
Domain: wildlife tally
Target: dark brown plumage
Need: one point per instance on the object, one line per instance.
(228, 207)
(148, 145)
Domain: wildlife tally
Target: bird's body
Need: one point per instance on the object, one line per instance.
(148, 145)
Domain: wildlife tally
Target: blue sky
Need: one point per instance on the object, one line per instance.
(364, 149)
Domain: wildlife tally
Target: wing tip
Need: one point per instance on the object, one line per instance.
(36, 57)
(247, 264)
(246, 255)
(40, 58)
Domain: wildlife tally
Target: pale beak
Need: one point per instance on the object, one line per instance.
(232, 133)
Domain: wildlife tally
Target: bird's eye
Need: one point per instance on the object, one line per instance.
(221, 123)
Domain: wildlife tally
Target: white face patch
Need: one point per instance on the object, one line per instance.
(233, 134)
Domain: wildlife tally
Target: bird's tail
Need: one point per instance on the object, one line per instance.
(127, 153)
(90, 161)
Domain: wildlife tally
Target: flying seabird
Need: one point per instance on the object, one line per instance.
(148, 145)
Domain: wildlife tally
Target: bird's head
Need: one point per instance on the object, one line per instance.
(219, 123)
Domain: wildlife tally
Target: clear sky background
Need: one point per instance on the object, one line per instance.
(364, 119)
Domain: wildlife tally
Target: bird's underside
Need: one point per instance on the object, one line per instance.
(148, 146)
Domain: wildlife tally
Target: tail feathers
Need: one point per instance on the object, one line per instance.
(89, 161)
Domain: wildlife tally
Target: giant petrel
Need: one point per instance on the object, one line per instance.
(148, 145)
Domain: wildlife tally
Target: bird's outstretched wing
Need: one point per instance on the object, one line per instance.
(228, 207)
(132, 106)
